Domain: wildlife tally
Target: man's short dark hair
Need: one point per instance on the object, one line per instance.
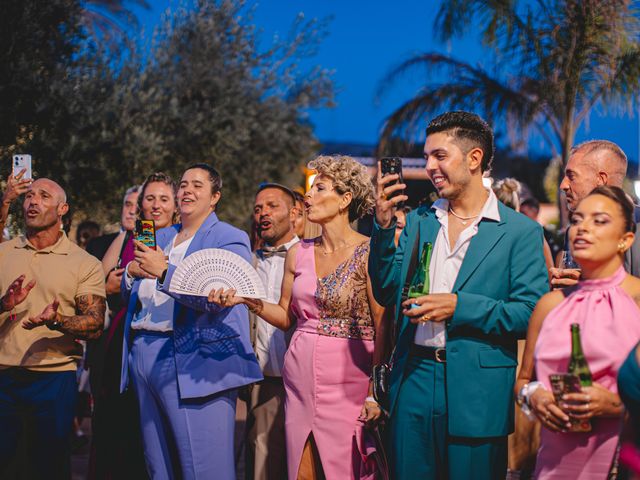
(282, 188)
(531, 202)
(214, 176)
(470, 129)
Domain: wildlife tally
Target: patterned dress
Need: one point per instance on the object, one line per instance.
(327, 366)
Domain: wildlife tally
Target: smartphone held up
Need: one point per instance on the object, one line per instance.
(22, 162)
(146, 233)
(390, 166)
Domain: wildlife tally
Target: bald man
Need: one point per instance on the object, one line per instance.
(53, 293)
(591, 164)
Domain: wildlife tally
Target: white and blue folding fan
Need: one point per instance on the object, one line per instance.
(215, 268)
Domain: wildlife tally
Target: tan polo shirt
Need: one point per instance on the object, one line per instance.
(63, 271)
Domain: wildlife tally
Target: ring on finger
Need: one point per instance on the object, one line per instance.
(425, 318)
(547, 416)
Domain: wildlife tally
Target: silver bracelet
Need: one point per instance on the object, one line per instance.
(524, 397)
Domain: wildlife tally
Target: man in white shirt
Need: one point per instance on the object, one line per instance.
(273, 213)
(456, 350)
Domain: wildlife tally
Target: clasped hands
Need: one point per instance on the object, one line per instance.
(435, 307)
(593, 401)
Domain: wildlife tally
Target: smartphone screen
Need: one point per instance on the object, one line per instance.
(389, 166)
(22, 162)
(146, 232)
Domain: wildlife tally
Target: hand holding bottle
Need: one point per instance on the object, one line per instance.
(543, 404)
(593, 401)
(435, 307)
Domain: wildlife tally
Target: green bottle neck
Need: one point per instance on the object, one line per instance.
(576, 344)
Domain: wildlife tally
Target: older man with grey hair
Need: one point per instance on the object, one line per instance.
(591, 164)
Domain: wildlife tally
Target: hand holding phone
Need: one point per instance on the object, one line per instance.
(146, 233)
(389, 191)
(390, 166)
(20, 163)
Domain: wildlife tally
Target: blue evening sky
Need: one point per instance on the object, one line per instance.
(365, 39)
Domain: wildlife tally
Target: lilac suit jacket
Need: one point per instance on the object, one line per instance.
(211, 344)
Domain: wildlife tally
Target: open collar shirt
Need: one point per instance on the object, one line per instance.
(446, 262)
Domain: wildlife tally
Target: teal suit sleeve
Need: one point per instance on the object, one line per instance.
(526, 272)
(385, 262)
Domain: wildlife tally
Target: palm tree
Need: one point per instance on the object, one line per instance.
(109, 19)
(550, 63)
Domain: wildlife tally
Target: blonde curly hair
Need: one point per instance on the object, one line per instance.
(348, 175)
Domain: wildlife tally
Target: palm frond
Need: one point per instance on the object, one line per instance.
(468, 87)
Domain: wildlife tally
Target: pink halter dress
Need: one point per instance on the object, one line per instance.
(609, 322)
(327, 366)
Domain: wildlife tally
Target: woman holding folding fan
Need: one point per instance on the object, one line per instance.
(187, 357)
(326, 292)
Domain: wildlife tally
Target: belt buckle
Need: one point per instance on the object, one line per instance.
(441, 355)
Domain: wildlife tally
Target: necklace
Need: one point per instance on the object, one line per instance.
(463, 220)
(324, 251)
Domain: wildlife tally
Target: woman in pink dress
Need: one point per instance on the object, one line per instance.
(326, 292)
(604, 305)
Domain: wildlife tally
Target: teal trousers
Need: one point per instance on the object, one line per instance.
(420, 447)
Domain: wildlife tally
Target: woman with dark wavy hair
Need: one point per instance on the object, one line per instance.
(605, 305)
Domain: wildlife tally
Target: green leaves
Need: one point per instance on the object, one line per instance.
(205, 91)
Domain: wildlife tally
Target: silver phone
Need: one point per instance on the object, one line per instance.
(22, 162)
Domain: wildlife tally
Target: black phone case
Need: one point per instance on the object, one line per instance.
(389, 166)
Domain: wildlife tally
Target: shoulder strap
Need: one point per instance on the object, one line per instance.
(413, 264)
(127, 237)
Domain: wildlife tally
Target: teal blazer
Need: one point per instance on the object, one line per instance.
(501, 278)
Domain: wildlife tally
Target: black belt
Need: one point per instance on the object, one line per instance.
(436, 354)
(150, 333)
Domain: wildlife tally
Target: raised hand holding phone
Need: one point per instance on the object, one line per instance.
(390, 190)
(146, 233)
(22, 163)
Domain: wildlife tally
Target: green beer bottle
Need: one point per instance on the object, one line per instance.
(420, 281)
(578, 363)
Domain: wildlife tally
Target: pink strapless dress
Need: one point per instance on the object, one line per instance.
(327, 366)
(609, 322)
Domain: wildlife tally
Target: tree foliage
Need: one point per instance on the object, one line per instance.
(549, 63)
(206, 90)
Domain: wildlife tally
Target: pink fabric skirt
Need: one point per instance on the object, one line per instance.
(326, 381)
(583, 456)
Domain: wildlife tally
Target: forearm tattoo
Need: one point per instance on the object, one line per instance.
(88, 322)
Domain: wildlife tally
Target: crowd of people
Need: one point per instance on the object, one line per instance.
(471, 357)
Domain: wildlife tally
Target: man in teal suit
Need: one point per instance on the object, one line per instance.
(456, 355)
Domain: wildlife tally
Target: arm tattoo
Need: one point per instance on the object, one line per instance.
(88, 321)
